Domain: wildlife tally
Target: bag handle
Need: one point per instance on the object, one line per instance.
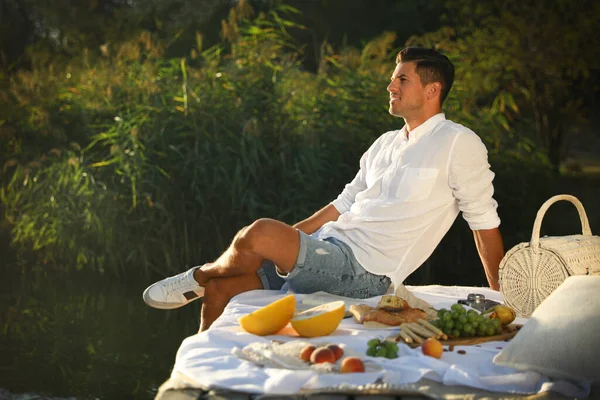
(585, 224)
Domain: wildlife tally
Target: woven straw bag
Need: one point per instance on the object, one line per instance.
(529, 272)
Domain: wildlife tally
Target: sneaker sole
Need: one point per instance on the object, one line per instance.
(169, 306)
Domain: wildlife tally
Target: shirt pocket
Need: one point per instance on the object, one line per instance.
(416, 184)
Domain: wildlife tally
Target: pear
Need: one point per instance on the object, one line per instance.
(505, 314)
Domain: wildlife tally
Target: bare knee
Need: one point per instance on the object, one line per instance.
(248, 237)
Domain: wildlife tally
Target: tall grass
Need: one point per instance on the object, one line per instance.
(158, 162)
(132, 164)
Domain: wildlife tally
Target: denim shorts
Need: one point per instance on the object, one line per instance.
(325, 265)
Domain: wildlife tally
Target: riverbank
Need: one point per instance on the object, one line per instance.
(81, 336)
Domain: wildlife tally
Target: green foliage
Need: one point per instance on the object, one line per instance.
(519, 85)
(155, 163)
(524, 63)
(127, 161)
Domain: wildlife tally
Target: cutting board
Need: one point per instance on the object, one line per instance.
(508, 333)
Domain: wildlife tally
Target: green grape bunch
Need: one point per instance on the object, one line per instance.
(458, 322)
(382, 348)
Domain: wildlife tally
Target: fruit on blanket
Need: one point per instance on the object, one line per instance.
(337, 351)
(321, 355)
(505, 314)
(385, 348)
(352, 364)
(460, 323)
(306, 352)
(271, 318)
(432, 348)
(320, 320)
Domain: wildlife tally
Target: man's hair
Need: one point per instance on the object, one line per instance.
(432, 66)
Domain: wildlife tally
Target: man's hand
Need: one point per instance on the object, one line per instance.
(491, 251)
(318, 219)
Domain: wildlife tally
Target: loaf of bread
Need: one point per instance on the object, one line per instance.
(392, 303)
(363, 313)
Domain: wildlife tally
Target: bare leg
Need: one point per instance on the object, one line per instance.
(235, 271)
(218, 293)
(264, 239)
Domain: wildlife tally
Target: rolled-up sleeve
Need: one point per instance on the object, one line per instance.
(345, 200)
(470, 178)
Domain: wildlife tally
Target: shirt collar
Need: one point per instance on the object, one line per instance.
(424, 128)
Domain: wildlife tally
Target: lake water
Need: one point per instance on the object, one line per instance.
(80, 335)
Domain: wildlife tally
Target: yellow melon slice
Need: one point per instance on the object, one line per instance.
(271, 318)
(320, 320)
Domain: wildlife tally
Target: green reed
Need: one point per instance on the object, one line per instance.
(130, 164)
(161, 161)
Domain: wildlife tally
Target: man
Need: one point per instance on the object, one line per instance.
(410, 187)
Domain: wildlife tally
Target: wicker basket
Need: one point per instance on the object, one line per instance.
(529, 272)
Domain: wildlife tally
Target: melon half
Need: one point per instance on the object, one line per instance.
(320, 320)
(271, 318)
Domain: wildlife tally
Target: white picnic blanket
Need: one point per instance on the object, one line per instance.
(209, 358)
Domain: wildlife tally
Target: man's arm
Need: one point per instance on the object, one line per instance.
(491, 251)
(318, 219)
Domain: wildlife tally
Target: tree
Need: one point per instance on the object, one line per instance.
(42, 31)
(355, 22)
(533, 61)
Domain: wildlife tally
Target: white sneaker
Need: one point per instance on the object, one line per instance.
(174, 292)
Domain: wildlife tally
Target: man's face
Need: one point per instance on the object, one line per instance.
(407, 94)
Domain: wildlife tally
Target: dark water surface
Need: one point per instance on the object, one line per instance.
(84, 336)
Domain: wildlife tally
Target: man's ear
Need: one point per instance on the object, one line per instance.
(434, 90)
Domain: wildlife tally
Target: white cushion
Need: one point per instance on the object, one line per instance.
(561, 340)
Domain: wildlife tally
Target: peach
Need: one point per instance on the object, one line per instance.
(321, 355)
(337, 351)
(306, 352)
(432, 348)
(352, 364)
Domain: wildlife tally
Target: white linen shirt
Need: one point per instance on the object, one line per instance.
(408, 192)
